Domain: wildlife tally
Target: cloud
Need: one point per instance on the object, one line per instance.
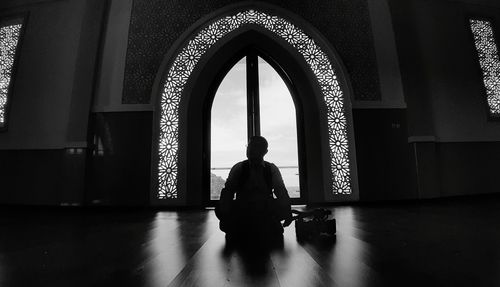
(229, 119)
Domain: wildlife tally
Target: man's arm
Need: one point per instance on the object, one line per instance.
(284, 204)
(231, 182)
(278, 184)
(230, 188)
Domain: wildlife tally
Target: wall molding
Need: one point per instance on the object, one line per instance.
(123, 108)
(22, 4)
(43, 146)
(417, 139)
(434, 139)
(378, 105)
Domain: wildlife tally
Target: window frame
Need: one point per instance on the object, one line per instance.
(254, 51)
(5, 19)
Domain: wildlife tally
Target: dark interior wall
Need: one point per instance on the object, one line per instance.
(449, 130)
(119, 171)
(455, 82)
(442, 80)
(42, 153)
(383, 155)
(44, 80)
(468, 168)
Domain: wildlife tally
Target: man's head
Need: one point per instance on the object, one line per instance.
(257, 148)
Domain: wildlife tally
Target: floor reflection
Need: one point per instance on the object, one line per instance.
(253, 256)
(249, 265)
(164, 252)
(345, 261)
(252, 263)
(296, 267)
(173, 240)
(286, 264)
(408, 245)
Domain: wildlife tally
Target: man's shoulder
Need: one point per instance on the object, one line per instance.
(271, 165)
(239, 165)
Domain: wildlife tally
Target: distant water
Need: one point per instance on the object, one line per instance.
(217, 183)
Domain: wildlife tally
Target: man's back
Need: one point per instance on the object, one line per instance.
(251, 182)
(247, 198)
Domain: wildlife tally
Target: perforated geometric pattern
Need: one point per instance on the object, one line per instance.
(488, 59)
(155, 25)
(189, 56)
(9, 37)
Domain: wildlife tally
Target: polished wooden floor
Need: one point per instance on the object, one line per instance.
(445, 243)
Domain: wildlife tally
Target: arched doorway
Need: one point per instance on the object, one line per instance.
(255, 97)
(189, 70)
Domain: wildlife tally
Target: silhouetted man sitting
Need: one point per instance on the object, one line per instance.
(247, 208)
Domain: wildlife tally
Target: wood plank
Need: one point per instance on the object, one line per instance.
(451, 243)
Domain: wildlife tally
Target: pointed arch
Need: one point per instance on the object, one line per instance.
(328, 75)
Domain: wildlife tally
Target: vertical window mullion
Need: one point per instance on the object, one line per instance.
(253, 113)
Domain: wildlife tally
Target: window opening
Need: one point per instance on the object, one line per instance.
(270, 112)
(10, 32)
(484, 40)
(279, 126)
(228, 122)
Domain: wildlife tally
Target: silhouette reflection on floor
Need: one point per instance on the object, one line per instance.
(429, 244)
(256, 256)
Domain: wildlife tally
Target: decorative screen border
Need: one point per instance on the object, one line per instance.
(487, 51)
(197, 46)
(10, 34)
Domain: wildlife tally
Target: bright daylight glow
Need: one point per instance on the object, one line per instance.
(278, 125)
(229, 126)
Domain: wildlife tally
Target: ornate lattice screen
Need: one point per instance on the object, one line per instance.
(490, 63)
(197, 46)
(9, 39)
